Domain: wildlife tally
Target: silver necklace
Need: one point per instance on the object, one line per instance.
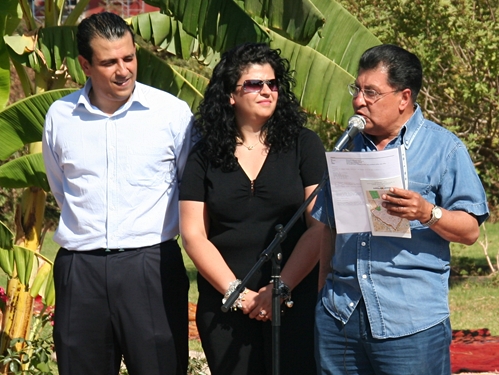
(240, 141)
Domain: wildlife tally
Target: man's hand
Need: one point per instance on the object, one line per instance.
(407, 204)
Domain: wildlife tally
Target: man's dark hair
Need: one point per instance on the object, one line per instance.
(104, 25)
(403, 67)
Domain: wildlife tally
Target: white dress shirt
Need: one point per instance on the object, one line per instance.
(115, 178)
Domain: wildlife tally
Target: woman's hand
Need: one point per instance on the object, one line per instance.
(259, 305)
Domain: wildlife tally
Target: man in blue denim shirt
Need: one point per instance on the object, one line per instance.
(384, 307)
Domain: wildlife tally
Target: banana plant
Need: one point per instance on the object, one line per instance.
(29, 272)
(50, 69)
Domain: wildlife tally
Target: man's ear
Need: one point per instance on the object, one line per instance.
(406, 99)
(85, 65)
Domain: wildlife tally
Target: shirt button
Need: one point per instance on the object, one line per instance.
(364, 276)
(351, 304)
(363, 243)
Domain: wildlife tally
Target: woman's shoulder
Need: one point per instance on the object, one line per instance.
(308, 136)
(196, 153)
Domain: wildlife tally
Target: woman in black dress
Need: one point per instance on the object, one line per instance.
(253, 167)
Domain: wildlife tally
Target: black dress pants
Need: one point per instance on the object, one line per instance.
(130, 303)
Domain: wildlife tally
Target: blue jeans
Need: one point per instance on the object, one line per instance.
(350, 349)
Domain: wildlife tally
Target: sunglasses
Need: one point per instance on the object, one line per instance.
(256, 85)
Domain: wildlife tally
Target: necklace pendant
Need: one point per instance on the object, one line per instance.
(250, 147)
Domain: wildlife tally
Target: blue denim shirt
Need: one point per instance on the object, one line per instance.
(404, 282)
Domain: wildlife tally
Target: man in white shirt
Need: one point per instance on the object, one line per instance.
(114, 152)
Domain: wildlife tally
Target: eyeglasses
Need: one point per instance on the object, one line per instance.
(256, 85)
(370, 96)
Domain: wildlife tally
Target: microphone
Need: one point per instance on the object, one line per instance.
(356, 124)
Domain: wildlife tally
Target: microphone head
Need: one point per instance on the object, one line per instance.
(358, 122)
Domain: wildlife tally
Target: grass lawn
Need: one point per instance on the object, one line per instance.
(474, 291)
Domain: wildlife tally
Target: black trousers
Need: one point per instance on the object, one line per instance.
(131, 303)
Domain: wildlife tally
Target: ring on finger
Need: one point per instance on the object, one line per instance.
(262, 313)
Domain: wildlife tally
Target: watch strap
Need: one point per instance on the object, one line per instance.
(433, 219)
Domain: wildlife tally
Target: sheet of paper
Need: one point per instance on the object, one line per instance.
(348, 171)
(380, 221)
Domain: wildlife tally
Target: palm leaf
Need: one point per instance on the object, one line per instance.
(58, 46)
(178, 81)
(22, 122)
(4, 72)
(24, 259)
(55, 49)
(297, 20)
(24, 171)
(317, 81)
(226, 23)
(219, 24)
(6, 243)
(9, 19)
(75, 14)
(343, 39)
(7, 260)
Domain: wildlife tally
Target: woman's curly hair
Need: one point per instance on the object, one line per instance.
(215, 123)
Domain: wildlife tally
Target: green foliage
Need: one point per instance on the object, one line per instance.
(8, 198)
(457, 43)
(197, 366)
(33, 358)
(32, 268)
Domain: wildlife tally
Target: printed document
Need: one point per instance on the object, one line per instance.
(358, 180)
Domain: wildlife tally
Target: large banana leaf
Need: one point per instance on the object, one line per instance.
(297, 20)
(6, 238)
(162, 31)
(167, 34)
(25, 261)
(4, 70)
(33, 270)
(9, 19)
(319, 81)
(225, 23)
(22, 122)
(343, 39)
(322, 70)
(23, 172)
(58, 46)
(178, 81)
(50, 48)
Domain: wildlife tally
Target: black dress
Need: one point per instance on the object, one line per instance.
(243, 216)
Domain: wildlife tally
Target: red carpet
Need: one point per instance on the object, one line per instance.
(474, 351)
(470, 350)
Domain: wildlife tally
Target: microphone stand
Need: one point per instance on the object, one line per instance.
(271, 253)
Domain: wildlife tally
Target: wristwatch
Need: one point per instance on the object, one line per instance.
(436, 214)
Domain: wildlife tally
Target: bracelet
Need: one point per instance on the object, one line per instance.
(285, 293)
(238, 303)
